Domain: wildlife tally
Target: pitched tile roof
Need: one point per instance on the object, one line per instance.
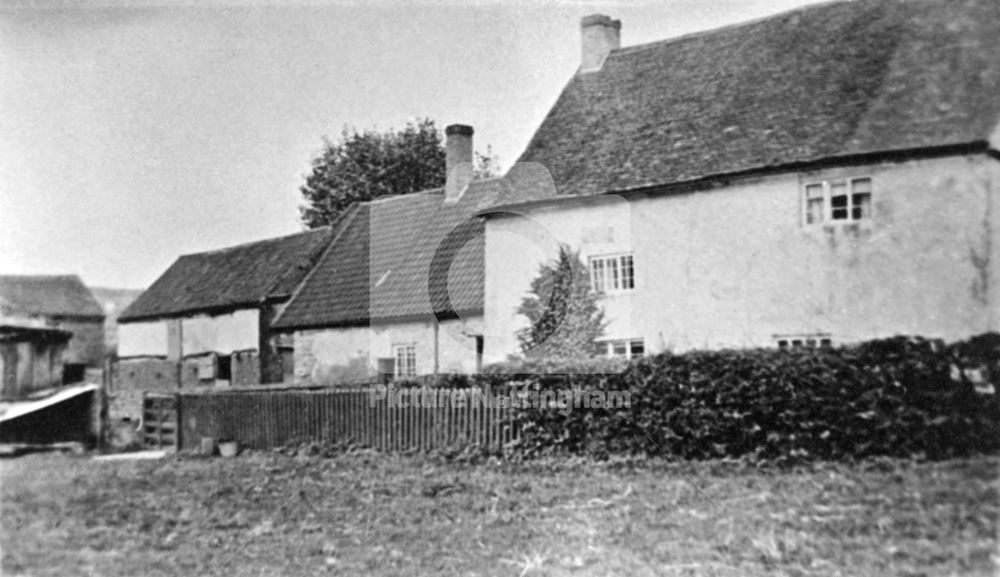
(816, 83)
(231, 277)
(61, 295)
(408, 256)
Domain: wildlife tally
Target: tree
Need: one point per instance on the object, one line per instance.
(565, 313)
(365, 165)
(487, 164)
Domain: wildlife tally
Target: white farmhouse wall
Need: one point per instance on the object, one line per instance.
(350, 355)
(142, 339)
(236, 331)
(517, 246)
(734, 266)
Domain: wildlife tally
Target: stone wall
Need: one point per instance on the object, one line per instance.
(131, 379)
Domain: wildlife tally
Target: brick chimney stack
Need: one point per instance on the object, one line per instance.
(600, 36)
(458, 160)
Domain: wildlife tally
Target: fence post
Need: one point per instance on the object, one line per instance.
(179, 423)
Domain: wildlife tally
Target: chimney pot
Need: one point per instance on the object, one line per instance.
(458, 160)
(600, 35)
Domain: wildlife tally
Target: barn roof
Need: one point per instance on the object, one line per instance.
(59, 295)
(821, 82)
(410, 256)
(234, 277)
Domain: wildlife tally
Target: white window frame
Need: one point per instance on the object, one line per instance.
(826, 212)
(408, 353)
(608, 272)
(608, 348)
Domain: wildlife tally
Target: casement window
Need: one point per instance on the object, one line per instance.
(628, 348)
(843, 200)
(612, 273)
(406, 361)
(803, 341)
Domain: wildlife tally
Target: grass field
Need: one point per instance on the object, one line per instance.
(364, 513)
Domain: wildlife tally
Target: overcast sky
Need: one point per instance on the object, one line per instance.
(132, 133)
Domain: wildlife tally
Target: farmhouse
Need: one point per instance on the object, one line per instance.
(59, 302)
(400, 291)
(213, 311)
(825, 175)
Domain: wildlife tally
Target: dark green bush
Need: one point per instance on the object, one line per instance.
(892, 397)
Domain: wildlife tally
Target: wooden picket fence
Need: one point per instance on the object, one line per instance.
(263, 419)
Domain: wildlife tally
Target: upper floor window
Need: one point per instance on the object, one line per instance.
(612, 273)
(843, 200)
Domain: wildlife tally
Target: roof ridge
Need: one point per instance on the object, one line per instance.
(636, 48)
(391, 197)
(324, 228)
(40, 276)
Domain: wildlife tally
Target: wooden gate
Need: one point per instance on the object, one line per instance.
(159, 422)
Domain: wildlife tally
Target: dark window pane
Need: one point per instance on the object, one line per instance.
(839, 214)
(782, 344)
(638, 348)
(839, 201)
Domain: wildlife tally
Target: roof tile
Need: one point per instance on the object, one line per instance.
(407, 256)
(231, 277)
(815, 83)
(60, 295)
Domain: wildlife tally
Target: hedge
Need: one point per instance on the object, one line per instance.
(900, 397)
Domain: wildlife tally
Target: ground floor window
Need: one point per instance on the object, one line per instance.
(623, 348)
(406, 361)
(807, 341)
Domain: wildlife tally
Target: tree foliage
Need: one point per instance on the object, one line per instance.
(565, 314)
(362, 166)
(487, 164)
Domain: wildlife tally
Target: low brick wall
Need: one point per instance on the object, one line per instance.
(131, 379)
(124, 405)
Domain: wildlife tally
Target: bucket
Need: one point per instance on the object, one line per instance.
(228, 448)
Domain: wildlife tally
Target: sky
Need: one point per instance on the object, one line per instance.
(134, 132)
